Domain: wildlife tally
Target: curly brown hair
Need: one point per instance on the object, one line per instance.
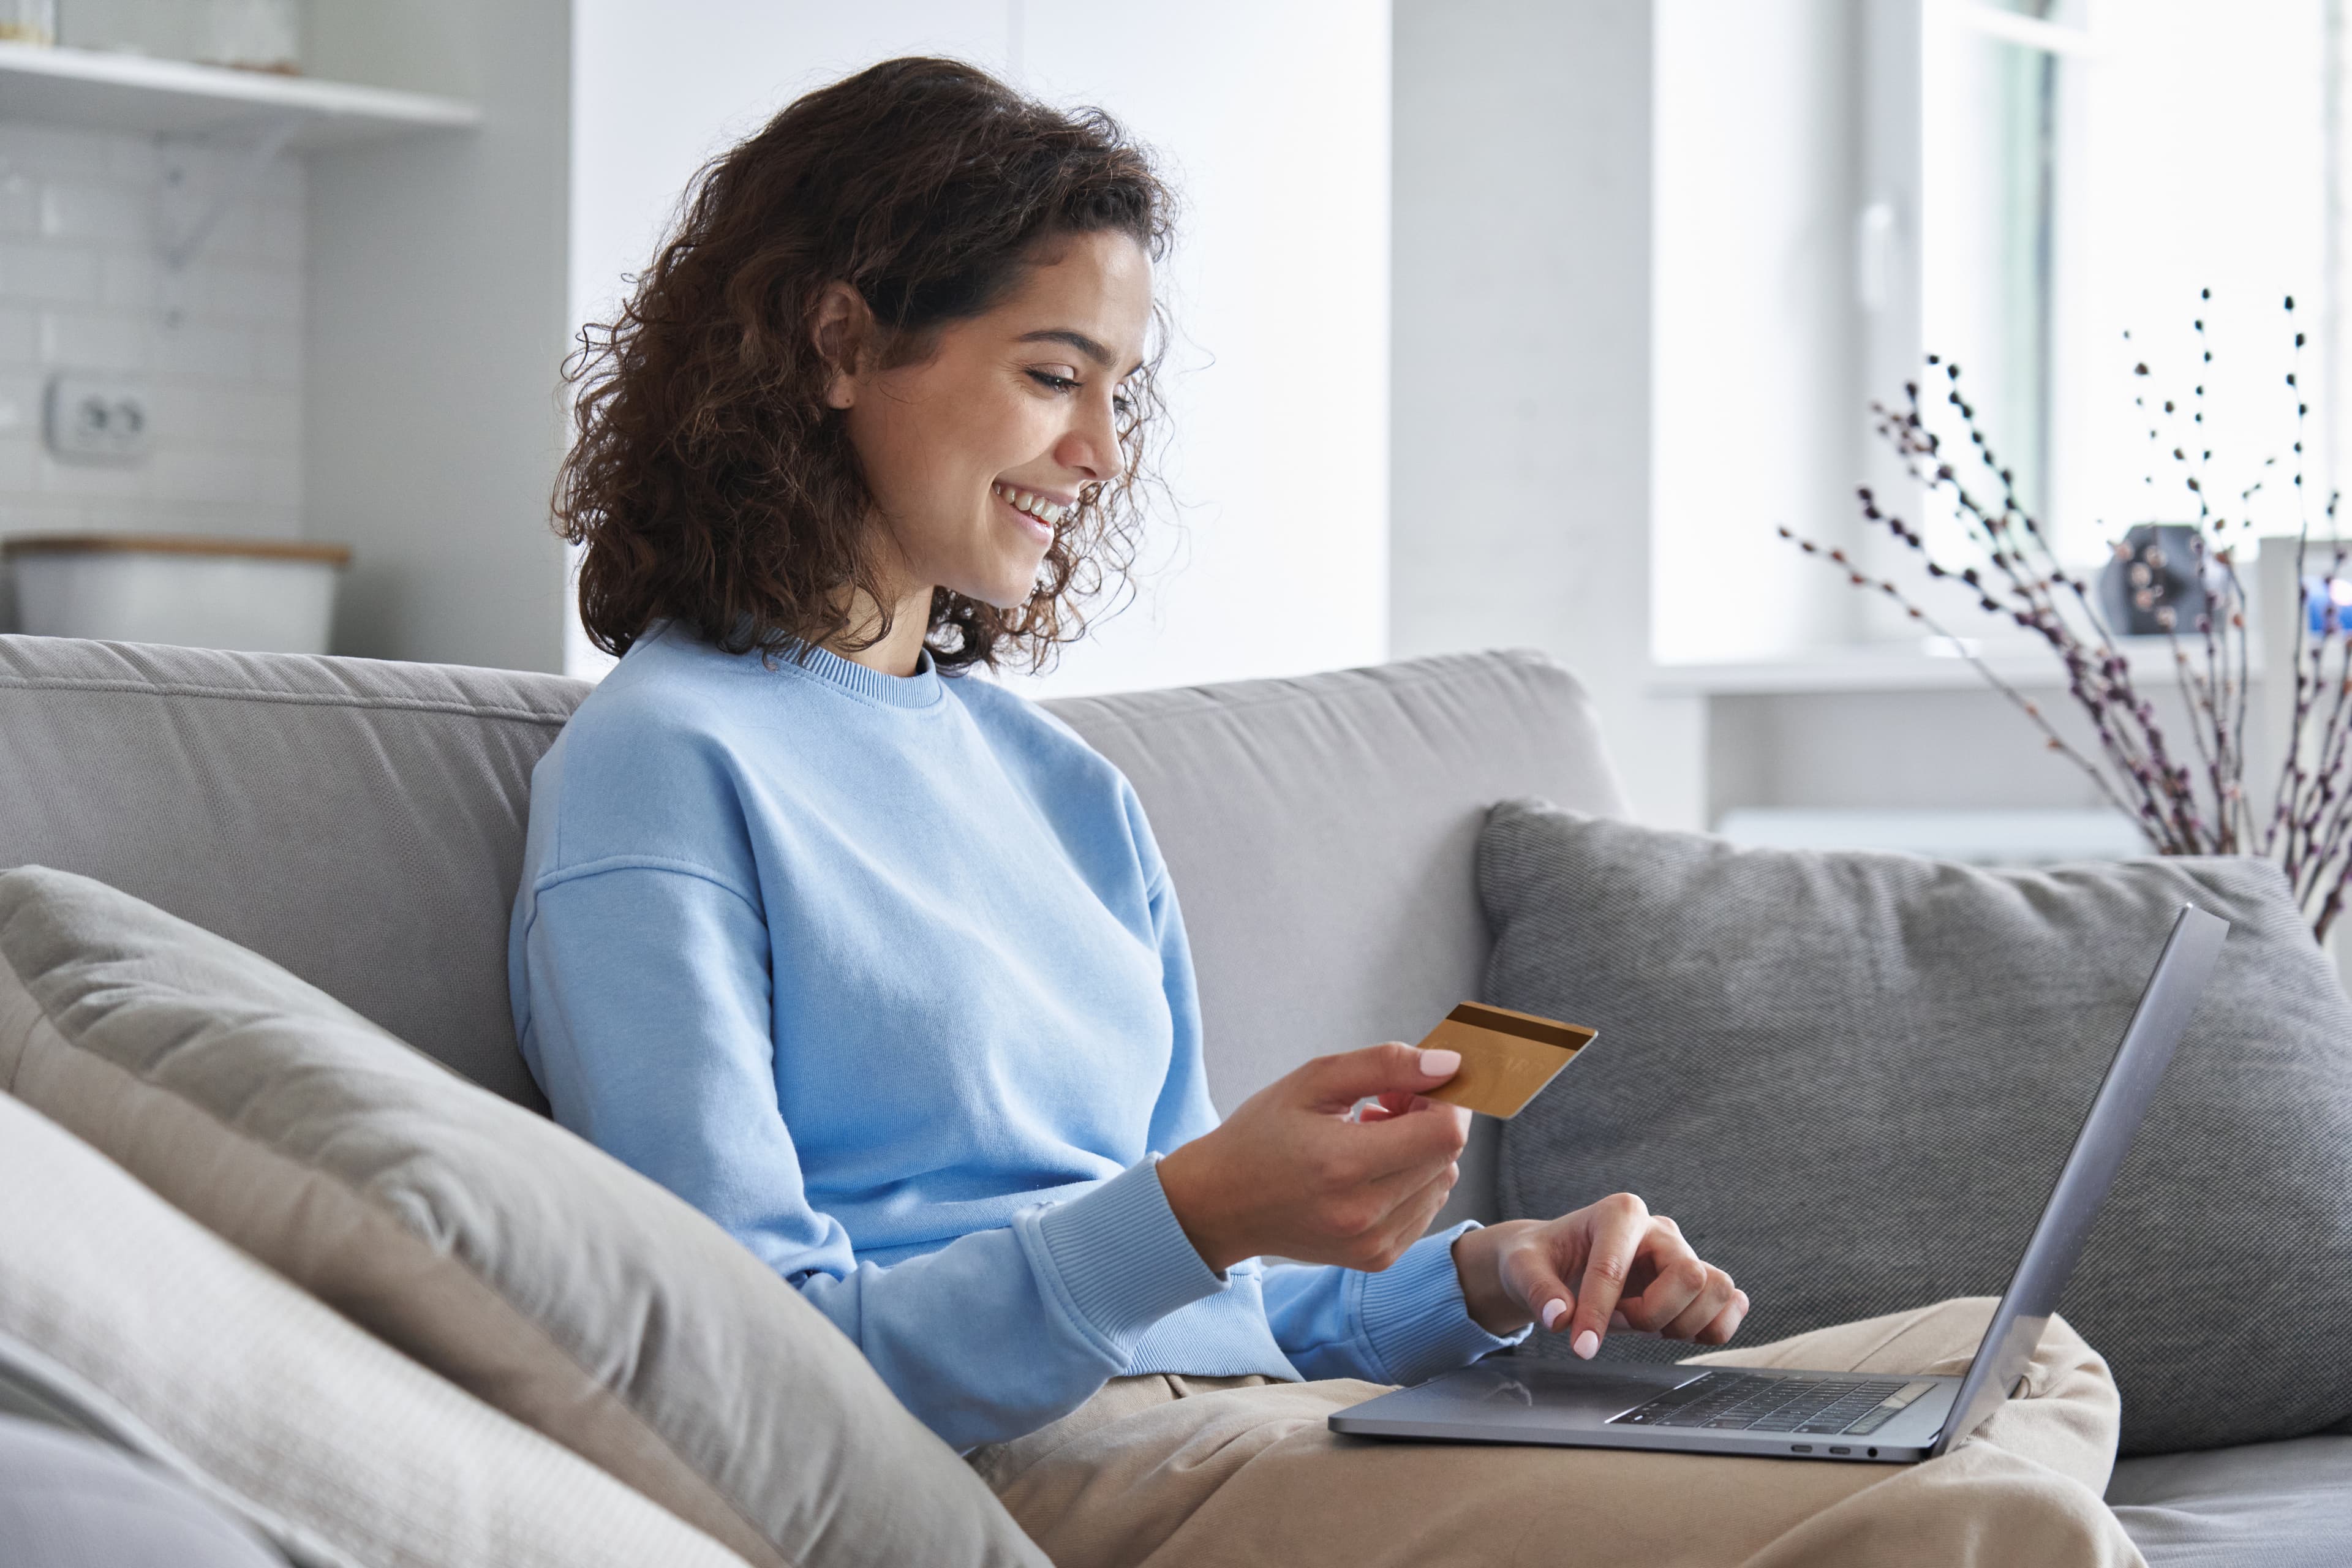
(711, 485)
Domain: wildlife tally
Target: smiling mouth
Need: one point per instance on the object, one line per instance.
(1044, 509)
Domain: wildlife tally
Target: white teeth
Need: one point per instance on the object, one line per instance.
(1036, 506)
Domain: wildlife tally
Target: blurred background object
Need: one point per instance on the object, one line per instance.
(254, 35)
(31, 21)
(256, 594)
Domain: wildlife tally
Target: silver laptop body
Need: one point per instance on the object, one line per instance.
(1776, 1413)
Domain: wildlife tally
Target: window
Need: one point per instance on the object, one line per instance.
(2088, 168)
(1840, 189)
(2000, 92)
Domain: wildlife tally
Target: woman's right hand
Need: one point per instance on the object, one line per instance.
(1289, 1174)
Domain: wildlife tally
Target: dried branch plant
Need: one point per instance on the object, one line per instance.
(2186, 802)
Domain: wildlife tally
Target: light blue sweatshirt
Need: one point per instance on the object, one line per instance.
(885, 975)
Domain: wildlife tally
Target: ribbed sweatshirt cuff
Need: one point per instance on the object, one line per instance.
(1118, 1261)
(1414, 1319)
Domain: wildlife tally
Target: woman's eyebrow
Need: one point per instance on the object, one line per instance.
(1079, 341)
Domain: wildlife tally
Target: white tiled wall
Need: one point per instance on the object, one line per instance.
(84, 286)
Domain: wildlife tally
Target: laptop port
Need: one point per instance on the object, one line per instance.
(1872, 1452)
(1800, 1447)
(1840, 1450)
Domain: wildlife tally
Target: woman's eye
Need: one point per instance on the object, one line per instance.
(1122, 404)
(1053, 380)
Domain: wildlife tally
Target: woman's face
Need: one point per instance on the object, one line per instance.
(974, 454)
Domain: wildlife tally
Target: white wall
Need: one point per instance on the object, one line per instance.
(1274, 118)
(1523, 432)
(1760, 396)
(437, 325)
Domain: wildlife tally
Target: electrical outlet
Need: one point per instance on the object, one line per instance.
(98, 419)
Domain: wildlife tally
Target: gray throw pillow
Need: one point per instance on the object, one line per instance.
(1852, 1078)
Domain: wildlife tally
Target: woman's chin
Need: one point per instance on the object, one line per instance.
(1009, 592)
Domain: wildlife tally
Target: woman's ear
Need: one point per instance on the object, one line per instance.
(838, 329)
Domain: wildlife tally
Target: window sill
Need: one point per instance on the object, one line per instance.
(1907, 667)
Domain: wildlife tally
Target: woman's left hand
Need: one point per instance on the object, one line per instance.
(1632, 1269)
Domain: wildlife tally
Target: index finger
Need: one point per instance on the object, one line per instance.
(1619, 1223)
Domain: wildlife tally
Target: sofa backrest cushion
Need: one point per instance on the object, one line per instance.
(1322, 834)
(1852, 1078)
(360, 824)
(521, 1262)
(1322, 837)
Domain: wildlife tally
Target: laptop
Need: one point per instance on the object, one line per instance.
(1772, 1412)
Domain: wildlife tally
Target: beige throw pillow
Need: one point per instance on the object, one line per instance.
(124, 1313)
(491, 1245)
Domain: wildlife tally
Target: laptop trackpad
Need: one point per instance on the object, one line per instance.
(1545, 1392)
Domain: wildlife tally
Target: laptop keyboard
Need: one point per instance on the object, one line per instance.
(1732, 1401)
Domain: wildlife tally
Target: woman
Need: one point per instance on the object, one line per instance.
(878, 965)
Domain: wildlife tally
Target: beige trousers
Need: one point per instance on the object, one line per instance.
(1159, 1471)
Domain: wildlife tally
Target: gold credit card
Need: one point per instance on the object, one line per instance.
(1506, 1056)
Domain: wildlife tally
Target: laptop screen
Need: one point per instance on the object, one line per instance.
(2155, 1027)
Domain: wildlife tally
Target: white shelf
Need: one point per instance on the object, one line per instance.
(1896, 667)
(108, 91)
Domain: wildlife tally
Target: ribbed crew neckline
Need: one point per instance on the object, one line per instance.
(921, 690)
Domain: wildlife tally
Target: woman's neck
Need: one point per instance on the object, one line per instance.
(901, 652)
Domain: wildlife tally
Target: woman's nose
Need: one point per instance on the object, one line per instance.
(1091, 445)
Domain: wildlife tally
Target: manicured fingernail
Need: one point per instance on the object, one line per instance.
(1586, 1344)
(1554, 1310)
(1439, 1064)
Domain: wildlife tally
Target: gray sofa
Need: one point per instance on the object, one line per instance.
(361, 823)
